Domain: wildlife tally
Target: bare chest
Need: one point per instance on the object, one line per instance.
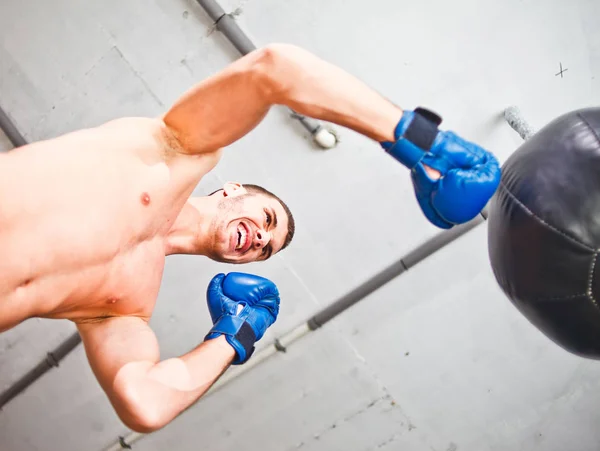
(127, 285)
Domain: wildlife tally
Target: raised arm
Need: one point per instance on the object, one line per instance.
(453, 178)
(227, 105)
(148, 393)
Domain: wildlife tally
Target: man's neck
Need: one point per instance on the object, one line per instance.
(185, 237)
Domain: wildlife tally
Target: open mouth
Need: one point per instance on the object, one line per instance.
(243, 238)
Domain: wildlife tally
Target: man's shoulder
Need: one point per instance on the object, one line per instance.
(140, 133)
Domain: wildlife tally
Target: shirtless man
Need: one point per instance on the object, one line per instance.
(86, 219)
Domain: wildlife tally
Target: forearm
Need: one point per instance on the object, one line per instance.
(151, 395)
(316, 88)
(226, 106)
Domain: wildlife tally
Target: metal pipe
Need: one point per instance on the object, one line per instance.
(213, 9)
(394, 270)
(227, 25)
(52, 360)
(10, 130)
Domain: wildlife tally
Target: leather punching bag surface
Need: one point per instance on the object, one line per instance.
(544, 231)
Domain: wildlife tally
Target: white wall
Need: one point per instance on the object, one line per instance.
(436, 360)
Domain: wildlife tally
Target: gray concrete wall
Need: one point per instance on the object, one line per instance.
(5, 144)
(436, 360)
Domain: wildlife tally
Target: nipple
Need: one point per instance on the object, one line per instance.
(25, 283)
(145, 199)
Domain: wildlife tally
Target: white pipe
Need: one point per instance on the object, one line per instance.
(515, 119)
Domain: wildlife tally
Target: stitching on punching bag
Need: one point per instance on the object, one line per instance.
(584, 120)
(541, 221)
(560, 298)
(590, 292)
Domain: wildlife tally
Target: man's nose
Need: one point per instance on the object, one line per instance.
(261, 238)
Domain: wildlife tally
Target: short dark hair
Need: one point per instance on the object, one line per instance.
(257, 189)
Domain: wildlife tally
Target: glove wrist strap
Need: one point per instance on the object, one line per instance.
(239, 335)
(423, 129)
(415, 133)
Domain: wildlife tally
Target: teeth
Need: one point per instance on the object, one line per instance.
(241, 237)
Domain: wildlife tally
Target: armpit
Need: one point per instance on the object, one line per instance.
(103, 317)
(171, 142)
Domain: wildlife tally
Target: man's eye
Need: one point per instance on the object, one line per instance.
(268, 218)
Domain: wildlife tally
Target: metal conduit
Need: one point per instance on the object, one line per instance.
(52, 360)
(417, 255)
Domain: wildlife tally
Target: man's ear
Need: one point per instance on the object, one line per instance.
(233, 189)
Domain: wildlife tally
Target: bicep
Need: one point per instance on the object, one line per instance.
(222, 108)
(113, 343)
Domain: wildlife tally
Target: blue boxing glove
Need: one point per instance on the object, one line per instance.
(242, 307)
(469, 175)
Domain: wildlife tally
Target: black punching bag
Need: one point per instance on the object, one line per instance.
(544, 231)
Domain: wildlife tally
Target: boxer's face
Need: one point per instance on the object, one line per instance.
(247, 226)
